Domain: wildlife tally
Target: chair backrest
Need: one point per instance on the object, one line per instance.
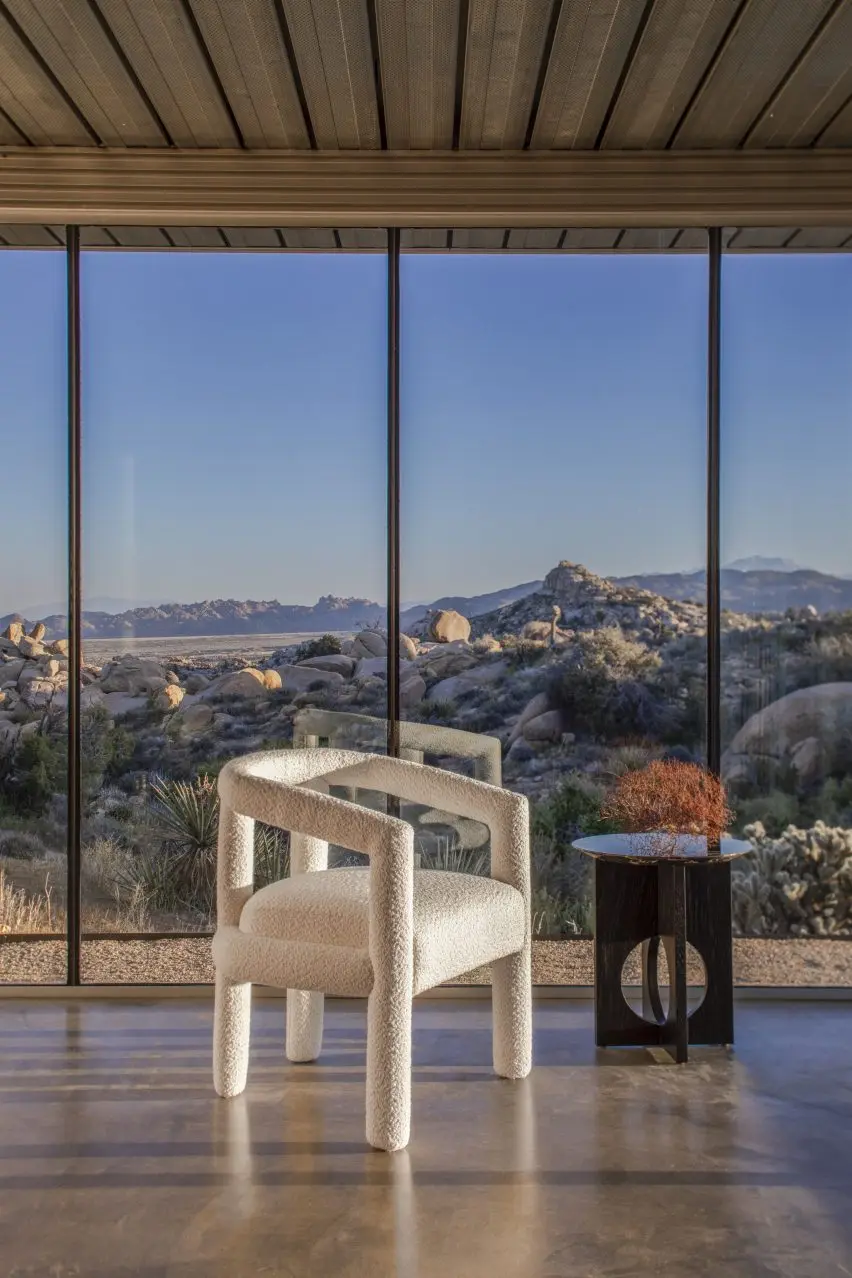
(311, 725)
(289, 789)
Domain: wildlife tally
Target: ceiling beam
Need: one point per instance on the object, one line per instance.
(425, 189)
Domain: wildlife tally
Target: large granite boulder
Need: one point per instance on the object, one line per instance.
(29, 647)
(539, 705)
(136, 676)
(193, 717)
(412, 688)
(449, 626)
(444, 661)
(543, 728)
(10, 671)
(239, 683)
(461, 685)
(37, 693)
(407, 647)
(370, 643)
(170, 698)
(809, 729)
(336, 662)
(296, 679)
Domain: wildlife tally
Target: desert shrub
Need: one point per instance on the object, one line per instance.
(104, 862)
(37, 770)
(561, 889)
(775, 811)
(555, 918)
(831, 803)
(275, 743)
(669, 796)
(605, 687)
(209, 767)
(628, 758)
(523, 652)
(106, 748)
(571, 810)
(438, 711)
(325, 646)
(21, 845)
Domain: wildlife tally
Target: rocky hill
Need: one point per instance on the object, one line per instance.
(219, 617)
(755, 591)
(585, 601)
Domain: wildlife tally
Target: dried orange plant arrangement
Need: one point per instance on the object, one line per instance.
(666, 799)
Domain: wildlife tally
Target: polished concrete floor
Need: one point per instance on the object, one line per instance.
(117, 1160)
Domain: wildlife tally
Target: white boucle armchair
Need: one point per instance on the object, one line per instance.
(387, 932)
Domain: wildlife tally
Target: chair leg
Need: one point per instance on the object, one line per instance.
(511, 1004)
(304, 1025)
(231, 1035)
(388, 1070)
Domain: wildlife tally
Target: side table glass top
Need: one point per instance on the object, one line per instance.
(643, 849)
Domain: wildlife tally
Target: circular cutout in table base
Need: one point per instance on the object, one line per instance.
(658, 1006)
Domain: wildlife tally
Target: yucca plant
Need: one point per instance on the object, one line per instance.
(271, 854)
(447, 854)
(184, 815)
(180, 874)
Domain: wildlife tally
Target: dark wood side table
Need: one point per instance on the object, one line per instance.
(653, 890)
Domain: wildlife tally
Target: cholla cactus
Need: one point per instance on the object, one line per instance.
(799, 884)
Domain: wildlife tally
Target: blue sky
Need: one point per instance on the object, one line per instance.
(234, 418)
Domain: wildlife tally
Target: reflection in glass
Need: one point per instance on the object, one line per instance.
(234, 541)
(787, 631)
(33, 623)
(553, 503)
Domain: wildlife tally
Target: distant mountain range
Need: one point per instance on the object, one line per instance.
(743, 590)
(765, 563)
(96, 603)
(755, 591)
(218, 617)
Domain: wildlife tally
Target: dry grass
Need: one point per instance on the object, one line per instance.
(21, 912)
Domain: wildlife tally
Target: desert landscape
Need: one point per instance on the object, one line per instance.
(578, 677)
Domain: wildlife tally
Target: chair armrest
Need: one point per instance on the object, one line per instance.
(387, 841)
(505, 813)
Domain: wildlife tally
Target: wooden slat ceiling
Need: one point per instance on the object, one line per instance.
(366, 75)
(487, 240)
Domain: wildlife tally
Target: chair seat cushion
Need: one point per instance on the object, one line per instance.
(461, 921)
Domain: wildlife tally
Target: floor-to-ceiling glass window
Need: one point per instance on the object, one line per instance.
(234, 559)
(787, 592)
(33, 623)
(553, 406)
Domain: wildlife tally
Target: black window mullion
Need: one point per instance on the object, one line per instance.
(393, 584)
(714, 593)
(73, 908)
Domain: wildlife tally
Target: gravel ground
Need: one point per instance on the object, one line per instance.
(756, 962)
